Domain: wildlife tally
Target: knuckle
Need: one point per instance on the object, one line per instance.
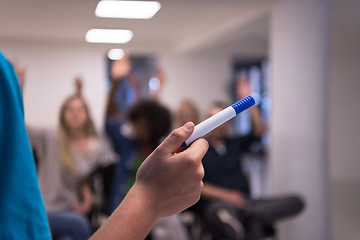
(201, 172)
(201, 147)
(204, 142)
(191, 162)
(158, 152)
(176, 133)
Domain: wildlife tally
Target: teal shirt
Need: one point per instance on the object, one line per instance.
(22, 212)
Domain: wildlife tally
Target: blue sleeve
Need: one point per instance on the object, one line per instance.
(113, 130)
(22, 212)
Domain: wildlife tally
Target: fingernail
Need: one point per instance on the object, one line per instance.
(188, 126)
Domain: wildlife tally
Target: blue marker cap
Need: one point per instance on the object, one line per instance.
(243, 104)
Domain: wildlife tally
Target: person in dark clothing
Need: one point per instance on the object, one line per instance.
(225, 203)
(150, 121)
(135, 133)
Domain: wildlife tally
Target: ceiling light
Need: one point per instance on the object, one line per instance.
(154, 84)
(108, 36)
(116, 54)
(127, 9)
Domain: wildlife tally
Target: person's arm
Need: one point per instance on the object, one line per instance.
(166, 183)
(243, 90)
(119, 69)
(160, 75)
(233, 197)
(87, 201)
(111, 109)
(78, 85)
(259, 126)
(20, 73)
(37, 136)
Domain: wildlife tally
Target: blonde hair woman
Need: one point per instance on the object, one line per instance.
(66, 158)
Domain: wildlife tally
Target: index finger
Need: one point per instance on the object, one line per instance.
(198, 148)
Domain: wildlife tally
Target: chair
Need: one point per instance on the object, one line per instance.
(220, 221)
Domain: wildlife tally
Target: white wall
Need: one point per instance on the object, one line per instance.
(345, 122)
(201, 78)
(344, 119)
(204, 76)
(299, 121)
(51, 68)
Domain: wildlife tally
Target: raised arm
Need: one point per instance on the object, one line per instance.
(119, 69)
(166, 183)
(243, 90)
(20, 72)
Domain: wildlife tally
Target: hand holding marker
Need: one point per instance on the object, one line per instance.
(214, 121)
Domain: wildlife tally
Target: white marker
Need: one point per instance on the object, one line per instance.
(216, 120)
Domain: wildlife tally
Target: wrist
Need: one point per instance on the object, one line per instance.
(134, 212)
(143, 202)
(116, 80)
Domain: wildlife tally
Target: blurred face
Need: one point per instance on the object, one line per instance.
(186, 114)
(140, 131)
(221, 131)
(75, 115)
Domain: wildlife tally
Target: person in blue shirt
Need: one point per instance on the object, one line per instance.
(22, 212)
(165, 184)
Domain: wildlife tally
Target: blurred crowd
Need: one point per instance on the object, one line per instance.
(84, 174)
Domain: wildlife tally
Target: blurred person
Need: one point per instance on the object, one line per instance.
(22, 213)
(128, 91)
(165, 183)
(187, 111)
(225, 200)
(131, 86)
(135, 132)
(134, 137)
(243, 89)
(164, 186)
(225, 182)
(66, 158)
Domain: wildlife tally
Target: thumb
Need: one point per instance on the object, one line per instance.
(176, 138)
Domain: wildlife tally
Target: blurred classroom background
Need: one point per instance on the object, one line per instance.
(302, 56)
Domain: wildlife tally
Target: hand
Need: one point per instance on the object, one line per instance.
(172, 182)
(159, 74)
(242, 86)
(81, 208)
(120, 68)
(166, 183)
(235, 198)
(78, 82)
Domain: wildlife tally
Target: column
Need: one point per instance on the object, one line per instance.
(299, 55)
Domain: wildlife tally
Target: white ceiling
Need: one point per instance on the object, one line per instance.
(180, 25)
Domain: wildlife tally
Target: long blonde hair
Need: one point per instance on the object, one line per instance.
(64, 149)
